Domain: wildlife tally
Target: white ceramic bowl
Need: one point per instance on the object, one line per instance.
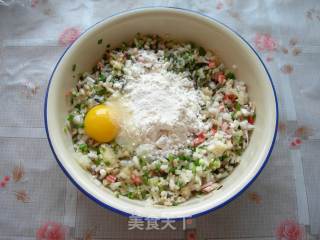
(182, 25)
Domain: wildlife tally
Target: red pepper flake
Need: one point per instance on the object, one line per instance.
(232, 97)
(6, 178)
(211, 64)
(111, 178)
(199, 139)
(201, 135)
(136, 179)
(213, 130)
(100, 65)
(219, 77)
(251, 120)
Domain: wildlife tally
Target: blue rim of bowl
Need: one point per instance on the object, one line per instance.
(198, 214)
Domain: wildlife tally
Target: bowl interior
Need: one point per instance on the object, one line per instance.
(180, 25)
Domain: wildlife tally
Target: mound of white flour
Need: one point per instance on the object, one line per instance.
(164, 106)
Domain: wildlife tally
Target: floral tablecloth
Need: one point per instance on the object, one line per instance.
(38, 202)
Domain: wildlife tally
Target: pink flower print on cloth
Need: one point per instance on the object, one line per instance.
(289, 230)
(69, 35)
(264, 42)
(51, 231)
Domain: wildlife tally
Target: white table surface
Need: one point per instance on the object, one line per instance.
(286, 34)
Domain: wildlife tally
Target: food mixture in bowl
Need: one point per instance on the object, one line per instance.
(159, 120)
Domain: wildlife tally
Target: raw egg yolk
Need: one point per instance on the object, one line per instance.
(100, 123)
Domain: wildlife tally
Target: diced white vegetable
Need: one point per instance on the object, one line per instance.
(83, 160)
(103, 173)
(217, 148)
(164, 167)
(244, 124)
(144, 149)
(108, 154)
(124, 173)
(186, 176)
(245, 112)
(78, 120)
(136, 162)
(92, 155)
(227, 116)
(115, 185)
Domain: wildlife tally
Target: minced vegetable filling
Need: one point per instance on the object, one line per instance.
(187, 120)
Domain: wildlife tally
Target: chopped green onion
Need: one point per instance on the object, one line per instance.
(101, 91)
(145, 178)
(70, 117)
(78, 106)
(130, 195)
(142, 162)
(102, 77)
(185, 158)
(202, 52)
(97, 161)
(179, 183)
(171, 157)
(79, 126)
(158, 167)
(230, 75)
(197, 162)
(237, 106)
(215, 164)
(83, 148)
(172, 170)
